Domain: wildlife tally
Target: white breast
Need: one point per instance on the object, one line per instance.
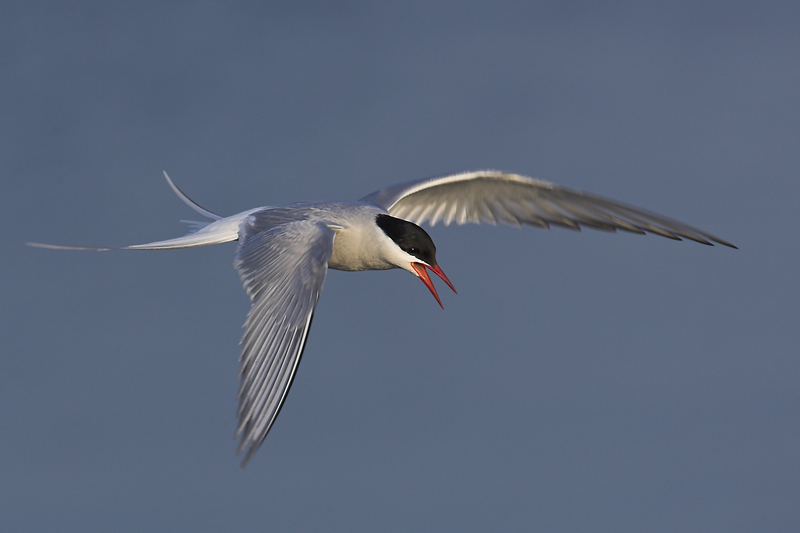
(360, 244)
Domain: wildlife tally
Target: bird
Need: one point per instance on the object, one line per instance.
(284, 253)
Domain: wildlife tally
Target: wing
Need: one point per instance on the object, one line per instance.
(282, 266)
(492, 196)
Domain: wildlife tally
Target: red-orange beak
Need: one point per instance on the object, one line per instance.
(419, 268)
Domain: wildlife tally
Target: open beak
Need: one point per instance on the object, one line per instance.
(419, 268)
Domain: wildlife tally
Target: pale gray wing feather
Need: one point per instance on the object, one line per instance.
(282, 265)
(492, 196)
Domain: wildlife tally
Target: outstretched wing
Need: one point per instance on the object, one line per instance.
(492, 196)
(282, 265)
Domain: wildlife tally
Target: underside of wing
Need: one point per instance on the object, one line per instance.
(491, 196)
(282, 268)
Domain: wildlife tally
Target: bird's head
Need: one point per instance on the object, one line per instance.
(418, 249)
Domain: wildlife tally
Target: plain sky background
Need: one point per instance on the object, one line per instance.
(578, 381)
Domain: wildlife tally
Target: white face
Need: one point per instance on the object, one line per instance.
(398, 257)
(409, 259)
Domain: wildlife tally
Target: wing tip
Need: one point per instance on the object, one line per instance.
(249, 447)
(725, 243)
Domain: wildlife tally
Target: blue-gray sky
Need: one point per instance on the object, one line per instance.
(577, 382)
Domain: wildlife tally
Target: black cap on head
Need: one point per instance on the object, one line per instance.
(409, 237)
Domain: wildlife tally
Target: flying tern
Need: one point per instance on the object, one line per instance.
(284, 254)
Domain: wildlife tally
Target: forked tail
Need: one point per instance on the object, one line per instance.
(219, 231)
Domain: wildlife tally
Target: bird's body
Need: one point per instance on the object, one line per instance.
(358, 244)
(284, 253)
